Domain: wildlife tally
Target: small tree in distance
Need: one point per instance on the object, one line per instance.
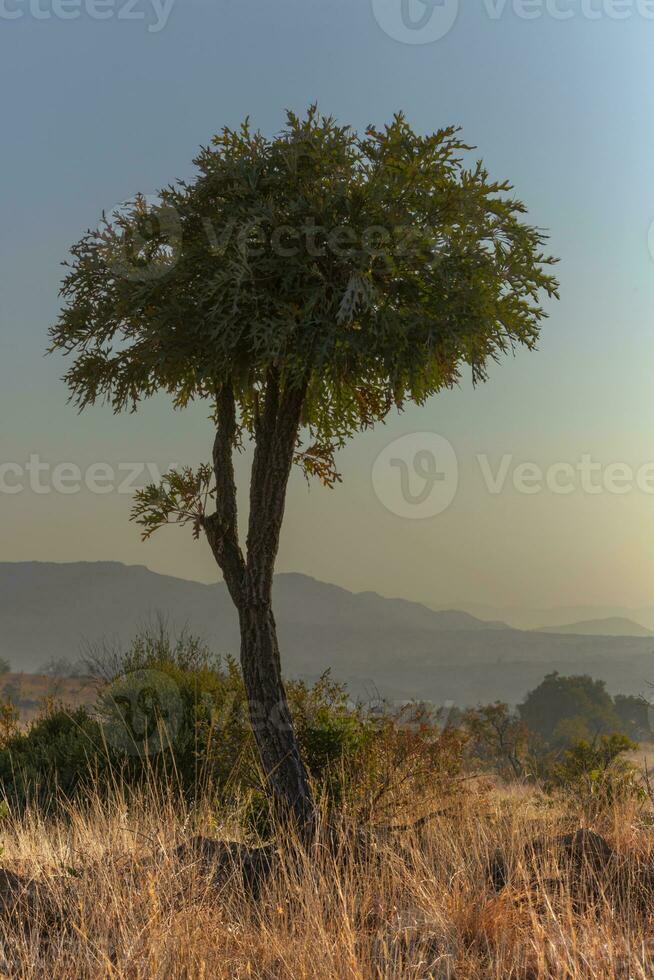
(304, 286)
(563, 710)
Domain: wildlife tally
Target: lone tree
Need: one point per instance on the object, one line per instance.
(304, 286)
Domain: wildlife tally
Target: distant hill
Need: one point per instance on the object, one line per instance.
(63, 605)
(377, 645)
(613, 626)
(523, 618)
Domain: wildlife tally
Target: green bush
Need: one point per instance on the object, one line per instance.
(171, 712)
(171, 708)
(597, 774)
(54, 758)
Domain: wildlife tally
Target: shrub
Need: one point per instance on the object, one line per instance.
(499, 738)
(54, 758)
(596, 774)
(174, 709)
(406, 755)
(170, 711)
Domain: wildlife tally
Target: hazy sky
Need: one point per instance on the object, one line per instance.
(96, 109)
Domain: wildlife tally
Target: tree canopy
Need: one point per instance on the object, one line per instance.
(563, 709)
(366, 269)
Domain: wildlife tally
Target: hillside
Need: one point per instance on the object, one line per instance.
(612, 626)
(390, 646)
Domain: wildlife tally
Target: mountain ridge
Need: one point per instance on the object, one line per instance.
(394, 646)
(610, 626)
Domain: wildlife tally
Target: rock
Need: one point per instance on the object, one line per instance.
(224, 859)
(18, 894)
(585, 858)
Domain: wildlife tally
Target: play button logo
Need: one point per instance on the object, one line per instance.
(416, 21)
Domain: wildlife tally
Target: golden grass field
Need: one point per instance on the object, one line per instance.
(105, 894)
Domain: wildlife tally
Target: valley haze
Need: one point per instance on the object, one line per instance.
(379, 646)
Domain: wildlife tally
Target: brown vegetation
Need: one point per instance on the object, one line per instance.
(125, 891)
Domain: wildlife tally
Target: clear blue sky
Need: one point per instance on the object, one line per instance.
(96, 110)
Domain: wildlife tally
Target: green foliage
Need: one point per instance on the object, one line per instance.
(596, 773)
(181, 498)
(55, 757)
(367, 268)
(634, 715)
(330, 730)
(171, 712)
(565, 709)
(499, 738)
(5, 666)
(173, 709)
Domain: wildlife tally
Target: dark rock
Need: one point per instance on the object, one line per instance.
(18, 894)
(225, 859)
(586, 859)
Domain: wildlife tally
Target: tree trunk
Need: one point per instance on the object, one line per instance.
(249, 581)
(270, 716)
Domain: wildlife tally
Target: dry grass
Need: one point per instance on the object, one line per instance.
(110, 899)
(29, 692)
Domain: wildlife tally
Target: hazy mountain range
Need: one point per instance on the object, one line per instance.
(391, 646)
(559, 616)
(611, 626)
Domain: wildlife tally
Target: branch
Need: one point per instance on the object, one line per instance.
(221, 527)
(275, 446)
(180, 498)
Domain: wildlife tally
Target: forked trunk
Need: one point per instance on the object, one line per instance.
(250, 579)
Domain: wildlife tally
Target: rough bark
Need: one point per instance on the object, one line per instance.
(222, 527)
(271, 717)
(250, 580)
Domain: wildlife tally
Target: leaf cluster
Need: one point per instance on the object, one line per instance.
(371, 268)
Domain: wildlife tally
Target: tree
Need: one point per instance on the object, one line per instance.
(565, 709)
(58, 667)
(598, 773)
(304, 286)
(634, 715)
(499, 736)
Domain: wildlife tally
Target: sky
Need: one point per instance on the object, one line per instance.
(104, 98)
